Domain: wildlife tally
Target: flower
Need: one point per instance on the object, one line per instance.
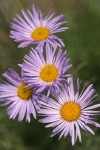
(70, 111)
(33, 28)
(46, 72)
(21, 99)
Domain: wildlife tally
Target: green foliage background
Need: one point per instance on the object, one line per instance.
(83, 44)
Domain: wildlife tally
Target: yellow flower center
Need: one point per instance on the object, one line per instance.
(40, 33)
(49, 73)
(70, 111)
(24, 93)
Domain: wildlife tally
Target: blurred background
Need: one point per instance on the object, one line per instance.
(83, 44)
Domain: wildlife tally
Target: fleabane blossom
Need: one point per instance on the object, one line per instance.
(32, 28)
(21, 100)
(46, 71)
(70, 111)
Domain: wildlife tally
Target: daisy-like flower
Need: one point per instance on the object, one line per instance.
(46, 72)
(13, 92)
(70, 112)
(33, 28)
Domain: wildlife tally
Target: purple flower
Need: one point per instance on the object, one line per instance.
(21, 99)
(69, 111)
(33, 28)
(46, 71)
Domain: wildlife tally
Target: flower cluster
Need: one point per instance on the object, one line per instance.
(45, 89)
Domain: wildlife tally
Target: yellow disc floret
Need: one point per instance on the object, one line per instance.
(23, 92)
(40, 33)
(49, 73)
(70, 111)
